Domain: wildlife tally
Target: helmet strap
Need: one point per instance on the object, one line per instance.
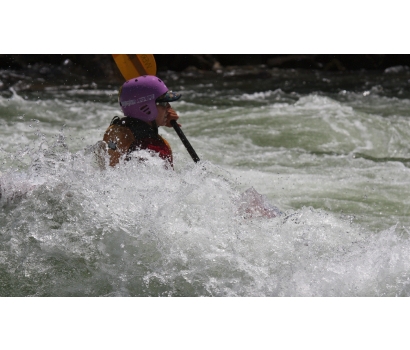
(154, 124)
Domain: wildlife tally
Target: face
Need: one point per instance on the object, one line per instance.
(161, 118)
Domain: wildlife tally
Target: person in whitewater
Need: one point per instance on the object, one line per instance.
(145, 104)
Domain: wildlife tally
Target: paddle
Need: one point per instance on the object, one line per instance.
(132, 66)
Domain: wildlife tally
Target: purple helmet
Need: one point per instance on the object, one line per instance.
(137, 97)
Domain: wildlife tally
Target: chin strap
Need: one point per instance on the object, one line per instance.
(154, 125)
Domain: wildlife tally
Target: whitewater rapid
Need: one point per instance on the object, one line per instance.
(333, 159)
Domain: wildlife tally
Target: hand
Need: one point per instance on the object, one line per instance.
(171, 115)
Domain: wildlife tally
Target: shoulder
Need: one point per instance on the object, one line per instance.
(118, 136)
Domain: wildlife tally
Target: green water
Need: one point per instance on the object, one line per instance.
(330, 150)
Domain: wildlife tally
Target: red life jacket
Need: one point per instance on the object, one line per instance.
(127, 134)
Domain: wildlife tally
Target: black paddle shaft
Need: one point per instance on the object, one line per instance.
(185, 141)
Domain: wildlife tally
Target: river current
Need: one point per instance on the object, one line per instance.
(330, 150)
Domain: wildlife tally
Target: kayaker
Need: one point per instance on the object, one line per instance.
(145, 104)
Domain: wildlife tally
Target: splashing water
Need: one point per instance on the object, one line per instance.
(68, 228)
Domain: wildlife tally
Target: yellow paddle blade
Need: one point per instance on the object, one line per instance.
(132, 66)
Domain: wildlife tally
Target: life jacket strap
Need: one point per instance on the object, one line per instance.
(115, 121)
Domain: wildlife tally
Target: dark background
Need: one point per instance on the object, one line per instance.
(102, 67)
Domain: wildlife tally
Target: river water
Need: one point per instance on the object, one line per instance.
(330, 150)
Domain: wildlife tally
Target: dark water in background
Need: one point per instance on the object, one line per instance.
(329, 149)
